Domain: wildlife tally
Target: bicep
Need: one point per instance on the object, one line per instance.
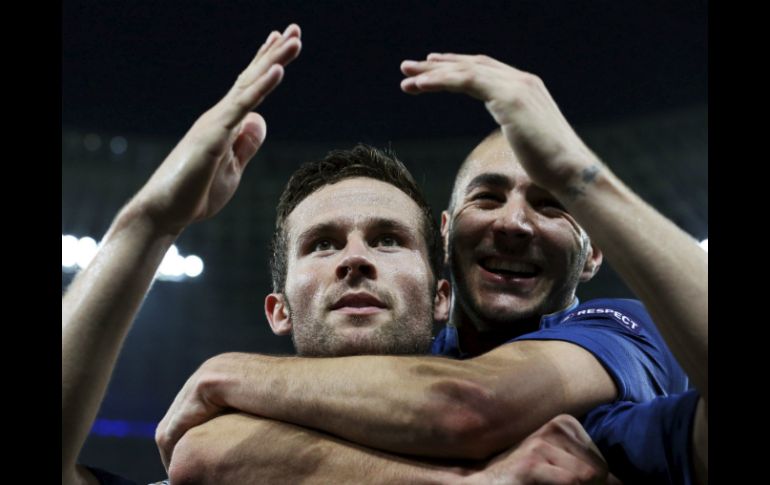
(532, 381)
(553, 371)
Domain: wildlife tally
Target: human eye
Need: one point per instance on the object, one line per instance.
(550, 204)
(485, 195)
(386, 241)
(486, 199)
(322, 245)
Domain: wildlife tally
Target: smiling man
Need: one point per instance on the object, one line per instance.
(356, 254)
(517, 253)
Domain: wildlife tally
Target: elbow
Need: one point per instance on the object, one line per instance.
(466, 417)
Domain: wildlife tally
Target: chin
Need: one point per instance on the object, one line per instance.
(507, 310)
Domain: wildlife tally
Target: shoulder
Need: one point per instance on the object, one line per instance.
(629, 313)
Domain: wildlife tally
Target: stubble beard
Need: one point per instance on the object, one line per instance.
(407, 335)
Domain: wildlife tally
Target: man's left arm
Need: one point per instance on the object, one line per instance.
(424, 406)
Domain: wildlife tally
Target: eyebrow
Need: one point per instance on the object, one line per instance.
(496, 180)
(381, 223)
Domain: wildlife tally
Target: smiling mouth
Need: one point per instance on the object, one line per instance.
(510, 269)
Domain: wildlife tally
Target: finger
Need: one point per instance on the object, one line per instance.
(165, 457)
(547, 473)
(285, 52)
(575, 463)
(452, 79)
(409, 86)
(164, 432)
(273, 53)
(468, 58)
(250, 138)
(271, 39)
(281, 48)
(567, 433)
(275, 37)
(292, 30)
(414, 68)
(238, 104)
(171, 438)
(447, 57)
(282, 52)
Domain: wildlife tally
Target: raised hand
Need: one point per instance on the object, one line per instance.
(544, 142)
(203, 171)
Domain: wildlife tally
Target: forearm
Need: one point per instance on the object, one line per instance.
(415, 405)
(423, 406)
(97, 311)
(663, 265)
(239, 448)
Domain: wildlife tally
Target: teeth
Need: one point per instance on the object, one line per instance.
(495, 264)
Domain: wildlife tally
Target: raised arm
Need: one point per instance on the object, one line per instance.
(193, 183)
(240, 448)
(427, 406)
(662, 265)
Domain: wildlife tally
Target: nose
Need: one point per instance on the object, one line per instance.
(355, 262)
(515, 220)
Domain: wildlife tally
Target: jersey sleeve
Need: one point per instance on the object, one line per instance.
(623, 338)
(647, 442)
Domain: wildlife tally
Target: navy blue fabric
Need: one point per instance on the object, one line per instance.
(618, 332)
(643, 443)
(647, 442)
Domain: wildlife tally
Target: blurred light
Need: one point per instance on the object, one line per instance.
(69, 246)
(85, 251)
(172, 264)
(92, 142)
(705, 244)
(77, 253)
(193, 266)
(118, 145)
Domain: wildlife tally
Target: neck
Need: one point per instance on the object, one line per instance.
(476, 339)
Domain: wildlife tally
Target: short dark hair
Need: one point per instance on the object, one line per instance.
(360, 161)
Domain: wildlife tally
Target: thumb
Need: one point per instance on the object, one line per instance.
(252, 134)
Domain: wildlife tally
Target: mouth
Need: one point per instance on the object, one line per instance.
(358, 304)
(507, 269)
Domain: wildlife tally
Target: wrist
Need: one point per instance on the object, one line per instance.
(138, 215)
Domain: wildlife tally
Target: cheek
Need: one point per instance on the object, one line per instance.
(408, 272)
(467, 231)
(562, 235)
(303, 285)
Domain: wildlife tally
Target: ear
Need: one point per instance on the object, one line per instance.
(445, 234)
(441, 301)
(593, 262)
(278, 314)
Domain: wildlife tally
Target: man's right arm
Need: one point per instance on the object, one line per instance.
(240, 448)
(661, 263)
(193, 183)
(444, 408)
